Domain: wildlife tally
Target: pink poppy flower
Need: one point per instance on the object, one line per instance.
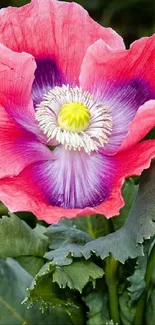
(72, 118)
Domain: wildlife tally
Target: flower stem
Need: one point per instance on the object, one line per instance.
(90, 228)
(112, 283)
(150, 267)
(140, 309)
(143, 298)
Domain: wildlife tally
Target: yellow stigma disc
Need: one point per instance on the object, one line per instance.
(74, 117)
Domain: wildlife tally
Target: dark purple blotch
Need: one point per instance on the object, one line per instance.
(134, 92)
(47, 76)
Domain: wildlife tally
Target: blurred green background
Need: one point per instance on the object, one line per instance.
(131, 18)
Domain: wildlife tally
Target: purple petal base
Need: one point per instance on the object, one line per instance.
(47, 76)
(75, 179)
(123, 100)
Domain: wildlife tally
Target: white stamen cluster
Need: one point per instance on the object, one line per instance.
(97, 133)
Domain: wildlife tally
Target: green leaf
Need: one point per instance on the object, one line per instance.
(44, 290)
(31, 264)
(127, 312)
(111, 323)
(140, 225)
(18, 239)
(40, 230)
(66, 241)
(64, 255)
(77, 274)
(95, 225)
(14, 281)
(97, 303)
(137, 280)
(128, 192)
(48, 283)
(98, 225)
(3, 209)
(65, 230)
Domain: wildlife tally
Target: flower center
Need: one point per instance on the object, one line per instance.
(74, 117)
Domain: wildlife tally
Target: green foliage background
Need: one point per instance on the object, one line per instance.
(65, 280)
(131, 18)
